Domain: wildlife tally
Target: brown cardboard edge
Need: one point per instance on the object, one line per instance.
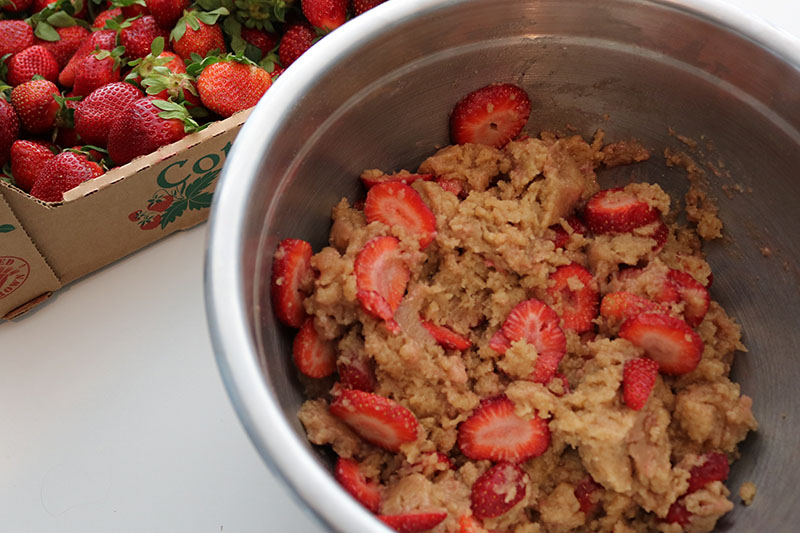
(33, 242)
(27, 306)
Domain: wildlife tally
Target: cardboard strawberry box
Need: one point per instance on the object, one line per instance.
(45, 246)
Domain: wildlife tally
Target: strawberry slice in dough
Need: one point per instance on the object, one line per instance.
(349, 476)
(491, 115)
(370, 180)
(292, 277)
(313, 356)
(497, 490)
(446, 337)
(413, 522)
(617, 211)
(381, 277)
(574, 297)
(668, 340)
(638, 379)
(397, 205)
(378, 420)
(623, 305)
(694, 295)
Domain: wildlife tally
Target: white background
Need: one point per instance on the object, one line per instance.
(113, 416)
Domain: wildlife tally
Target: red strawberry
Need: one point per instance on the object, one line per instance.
(446, 337)
(349, 476)
(24, 65)
(70, 40)
(137, 37)
(469, 524)
(167, 12)
(398, 205)
(27, 159)
(325, 14)
(617, 211)
(408, 179)
(101, 18)
(638, 379)
(297, 38)
(495, 432)
(694, 295)
(103, 39)
(230, 86)
(497, 490)
(144, 126)
(381, 277)
(16, 6)
(260, 39)
(361, 6)
(715, 467)
(639, 280)
(660, 235)
(9, 129)
(36, 105)
(313, 356)
(491, 115)
(292, 277)
(574, 296)
(678, 514)
(161, 203)
(535, 322)
(378, 420)
(63, 172)
(357, 374)
(137, 8)
(15, 36)
(97, 112)
(413, 522)
(135, 215)
(197, 32)
(96, 70)
(152, 223)
(670, 341)
(621, 306)
(586, 493)
(562, 237)
(452, 185)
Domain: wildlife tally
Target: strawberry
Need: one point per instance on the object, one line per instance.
(97, 112)
(313, 356)
(398, 205)
(660, 235)
(620, 306)
(467, 523)
(197, 32)
(15, 36)
(378, 420)
(587, 495)
(97, 69)
(535, 322)
(715, 467)
(370, 181)
(152, 223)
(24, 65)
(495, 432)
(261, 39)
(63, 172)
(325, 14)
(104, 16)
(296, 40)
(358, 373)
(349, 476)
(232, 85)
(167, 12)
(694, 295)
(491, 115)
(361, 6)
(134, 9)
(292, 278)
(638, 379)
(562, 237)
(135, 215)
(27, 159)
(617, 211)
(160, 203)
(146, 125)
(655, 284)
(36, 105)
(381, 277)
(70, 39)
(497, 490)
(574, 296)
(137, 37)
(413, 522)
(9, 129)
(15, 6)
(103, 40)
(668, 340)
(678, 514)
(446, 337)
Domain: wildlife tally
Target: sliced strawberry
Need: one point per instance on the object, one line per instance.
(617, 211)
(586, 491)
(694, 295)
(660, 235)
(467, 523)
(499, 342)
(396, 204)
(638, 379)
(623, 305)
(535, 322)
(574, 297)
(491, 115)
(292, 276)
(378, 420)
(381, 277)
(670, 341)
(452, 185)
(370, 181)
(678, 514)
(495, 432)
(349, 476)
(562, 237)
(447, 338)
(413, 522)
(357, 374)
(314, 357)
(715, 467)
(497, 490)
(638, 280)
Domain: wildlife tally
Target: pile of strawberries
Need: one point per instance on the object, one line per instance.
(86, 85)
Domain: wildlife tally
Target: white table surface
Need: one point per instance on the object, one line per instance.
(113, 416)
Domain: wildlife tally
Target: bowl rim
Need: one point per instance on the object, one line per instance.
(255, 404)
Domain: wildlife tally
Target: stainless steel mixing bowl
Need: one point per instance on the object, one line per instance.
(377, 94)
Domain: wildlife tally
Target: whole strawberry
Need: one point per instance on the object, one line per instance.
(361, 6)
(295, 41)
(65, 171)
(16, 6)
(102, 17)
(97, 69)
(144, 67)
(36, 105)
(137, 37)
(167, 12)
(325, 14)
(229, 86)
(70, 38)
(15, 36)
(27, 159)
(260, 39)
(197, 32)
(98, 111)
(135, 9)
(24, 65)
(146, 125)
(103, 39)
(9, 129)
